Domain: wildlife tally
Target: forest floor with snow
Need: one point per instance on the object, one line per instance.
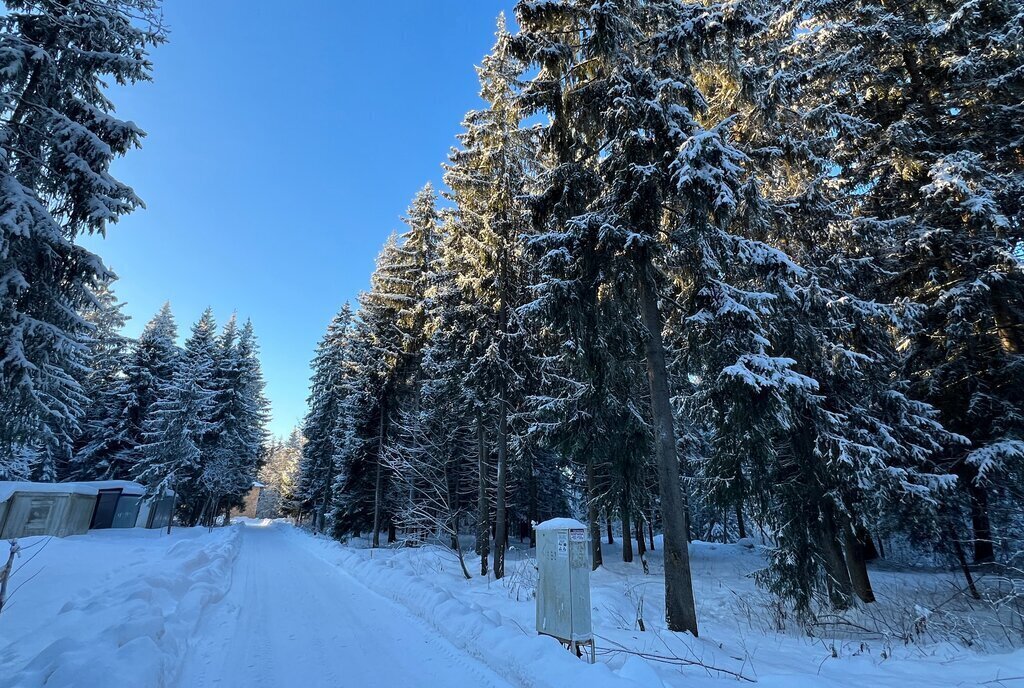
(266, 604)
(922, 631)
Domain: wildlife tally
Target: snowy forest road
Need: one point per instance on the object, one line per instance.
(291, 619)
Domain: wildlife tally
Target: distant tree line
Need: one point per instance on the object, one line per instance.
(712, 266)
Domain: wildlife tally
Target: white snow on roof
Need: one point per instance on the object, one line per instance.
(560, 524)
(9, 487)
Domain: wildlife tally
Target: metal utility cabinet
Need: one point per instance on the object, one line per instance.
(563, 584)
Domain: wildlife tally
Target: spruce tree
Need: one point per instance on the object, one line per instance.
(488, 178)
(113, 444)
(58, 137)
(174, 431)
(103, 387)
(395, 314)
(920, 108)
(326, 396)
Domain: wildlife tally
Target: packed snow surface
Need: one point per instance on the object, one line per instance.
(292, 619)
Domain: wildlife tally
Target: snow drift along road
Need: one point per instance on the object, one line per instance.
(114, 607)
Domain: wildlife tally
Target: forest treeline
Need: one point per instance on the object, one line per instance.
(703, 266)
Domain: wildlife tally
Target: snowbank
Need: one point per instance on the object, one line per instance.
(143, 594)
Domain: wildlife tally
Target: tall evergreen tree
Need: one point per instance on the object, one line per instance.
(921, 110)
(326, 396)
(112, 446)
(174, 431)
(58, 137)
(102, 385)
(395, 312)
(488, 178)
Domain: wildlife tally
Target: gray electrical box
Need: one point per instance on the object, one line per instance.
(563, 584)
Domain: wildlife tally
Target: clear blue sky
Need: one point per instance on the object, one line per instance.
(284, 143)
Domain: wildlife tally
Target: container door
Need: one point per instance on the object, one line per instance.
(580, 561)
(160, 512)
(554, 598)
(127, 511)
(106, 506)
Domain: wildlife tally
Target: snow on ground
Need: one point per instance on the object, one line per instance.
(112, 607)
(265, 604)
(494, 620)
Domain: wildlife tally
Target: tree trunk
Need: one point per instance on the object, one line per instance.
(962, 560)
(680, 610)
(201, 521)
(593, 516)
(483, 508)
(740, 525)
(840, 587)
(650, 530)
(457, 546)
(627, 533)
(378, 488)
(608, 523)
(500, 527)
(641, 547)
(856, 560)
(1006, 328)
(532, 516)
(984, 549)
(6, 571)
(870, 550)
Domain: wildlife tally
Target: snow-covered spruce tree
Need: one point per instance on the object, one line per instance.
(239, 415)
(58, 138)
(453, 409)
(923, 103)
(395, 314)
(488, 178)
(102, 385)
(635, 145)
(221, 453)
(326, 399)
(357, 437)
(112, 445)
(195, 500)
(99, 378)
(176, 428)
(572, 314)
(789, 372)
(253, 407)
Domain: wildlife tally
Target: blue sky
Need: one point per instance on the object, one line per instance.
(284, 143)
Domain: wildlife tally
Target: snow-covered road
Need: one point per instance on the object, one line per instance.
(291, 619)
